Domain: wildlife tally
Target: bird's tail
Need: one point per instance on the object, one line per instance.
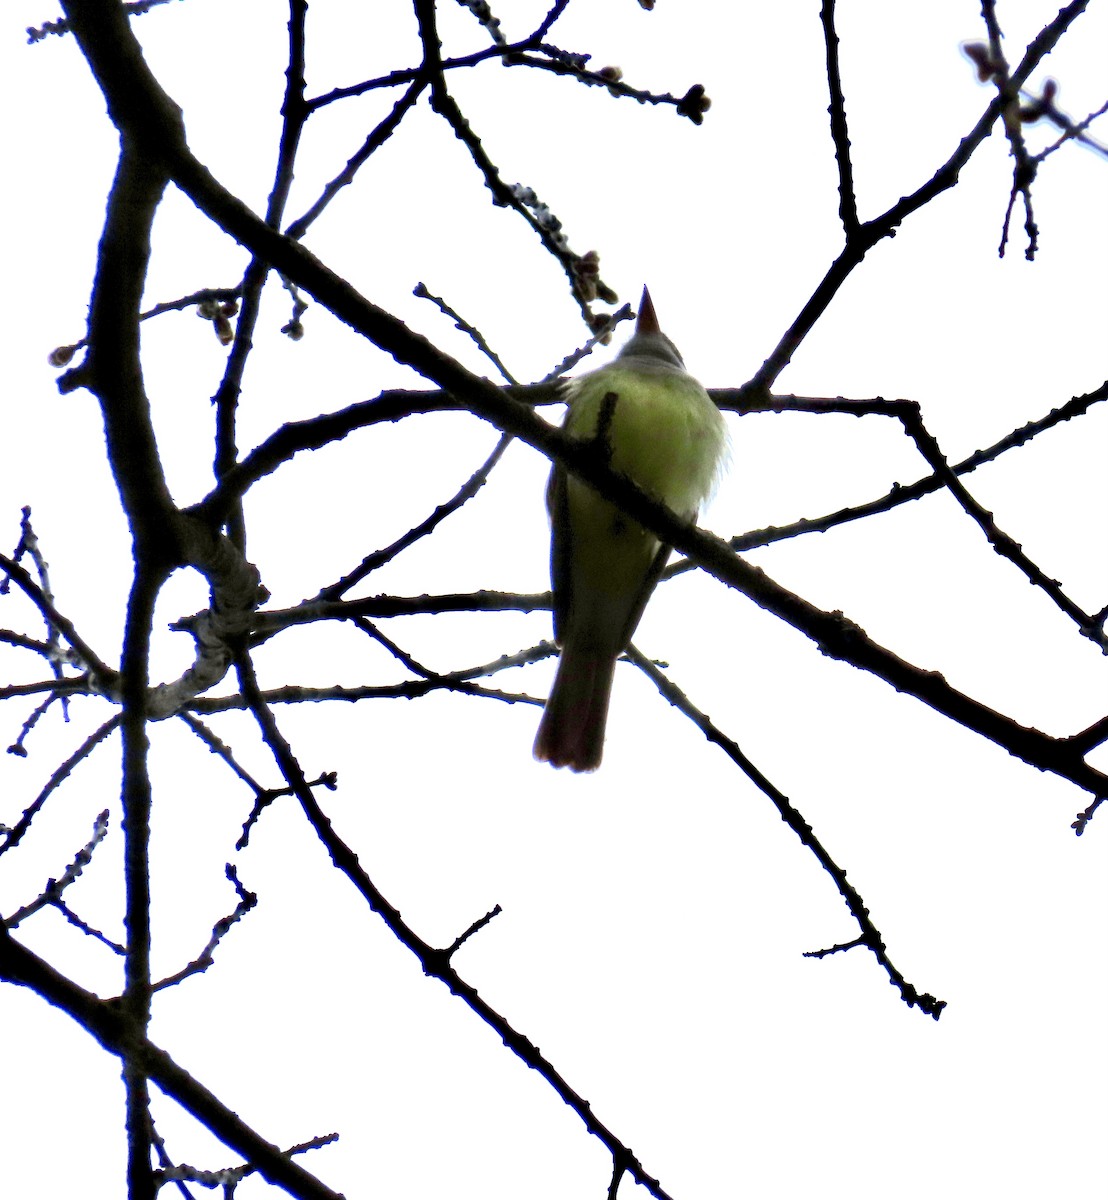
(571, 733)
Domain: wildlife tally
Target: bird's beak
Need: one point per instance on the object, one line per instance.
(648, 318)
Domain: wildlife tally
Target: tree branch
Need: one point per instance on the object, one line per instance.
(106, 1022)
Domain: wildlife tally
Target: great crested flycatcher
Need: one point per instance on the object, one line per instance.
(655, 424)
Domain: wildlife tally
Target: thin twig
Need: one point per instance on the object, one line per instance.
(848, 204)
(434, 962)
(109, 1024)
(870, 936)
(1000, 541)
(14, 835)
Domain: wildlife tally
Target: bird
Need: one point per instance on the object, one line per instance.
(653, 423)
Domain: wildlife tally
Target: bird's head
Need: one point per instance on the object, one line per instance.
(648, 340)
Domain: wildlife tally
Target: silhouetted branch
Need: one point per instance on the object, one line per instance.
(870, 936)
(14, 835)
(434, 962)
(51, 895)
(108, 1022)
(869, 233)
(206, 957)
(1004, 545)
(848, 204)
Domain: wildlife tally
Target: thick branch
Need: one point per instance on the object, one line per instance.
(833, 633)
(107, 1024)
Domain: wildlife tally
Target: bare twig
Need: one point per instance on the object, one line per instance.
(378, 558)
(52, 893)
(1004, 545)
(870, 936)
(206, 957)
(108, 1022)
(60, 775)
(434, 962)
(848, 204)
(373, 142)
(869, 233)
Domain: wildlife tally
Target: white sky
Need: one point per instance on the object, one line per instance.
(655, 914)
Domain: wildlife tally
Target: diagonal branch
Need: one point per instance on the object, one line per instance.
(871, 232)
(435, 962)
(1001, 542)
(870, 936)
(105, 1021)
(427, 526)
(101, 674)
(128, 85)
(376, 139)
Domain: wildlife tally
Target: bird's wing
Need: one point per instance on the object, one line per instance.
(557, 504)
(650, 581)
